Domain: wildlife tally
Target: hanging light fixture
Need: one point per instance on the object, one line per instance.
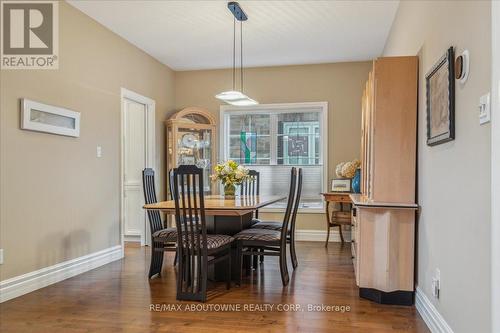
(235, 97)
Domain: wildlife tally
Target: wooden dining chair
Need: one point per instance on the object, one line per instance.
(196, 249)
(266, 242)
(278, 226)
(251, 186)
(162, 238)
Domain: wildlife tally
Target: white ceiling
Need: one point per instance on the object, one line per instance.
(189, 35)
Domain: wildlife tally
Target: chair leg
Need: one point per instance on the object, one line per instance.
(293, 255)
(228, 272)
(261, 257)
(283, 267)
(204, 277)
(340, 232)
(180, 276)
(239, 263)
(247, 262)
(175, 258)
(255, 260)
(327, 235)
(156, 261)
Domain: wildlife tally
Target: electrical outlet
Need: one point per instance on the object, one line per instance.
(1, 256)
(436, 283)
(99, 151)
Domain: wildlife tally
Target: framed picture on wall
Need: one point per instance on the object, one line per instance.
(440, 87)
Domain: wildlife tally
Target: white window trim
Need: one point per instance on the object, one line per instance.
(283, 108)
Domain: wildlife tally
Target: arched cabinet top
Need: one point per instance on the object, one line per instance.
(193, 115)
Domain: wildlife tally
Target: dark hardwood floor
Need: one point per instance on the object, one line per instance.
(118, 298)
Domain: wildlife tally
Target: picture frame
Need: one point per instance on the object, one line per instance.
(440, 94)
(341, 185)
(40, 117)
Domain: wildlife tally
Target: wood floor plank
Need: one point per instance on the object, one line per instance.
(117, 298)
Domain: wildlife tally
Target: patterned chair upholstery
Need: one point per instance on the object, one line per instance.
(268, 225)
(258, 234)
(165, 235)
(216, 241)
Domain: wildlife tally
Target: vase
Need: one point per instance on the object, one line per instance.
(229, 190)
(356, 181)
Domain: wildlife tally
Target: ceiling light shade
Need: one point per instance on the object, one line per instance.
(235, 97)
(231, 95)
(247, 101)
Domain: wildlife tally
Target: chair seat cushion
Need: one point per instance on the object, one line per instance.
(268, 225)
(165, 235)
(254, 221)
(216, 241)
(213, 241)
(258, 234)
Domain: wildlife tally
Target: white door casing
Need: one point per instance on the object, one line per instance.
(495, 167)
(138, 148)
(134, 161)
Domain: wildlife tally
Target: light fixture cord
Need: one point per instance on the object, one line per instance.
(234, 51)
(241, 54)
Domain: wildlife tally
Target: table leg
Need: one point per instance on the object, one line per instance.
(327, 204)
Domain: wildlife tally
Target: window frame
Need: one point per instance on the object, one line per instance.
(322, 107)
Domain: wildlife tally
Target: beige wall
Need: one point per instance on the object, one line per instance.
(339, 84)
(58, 201)
(454, 178)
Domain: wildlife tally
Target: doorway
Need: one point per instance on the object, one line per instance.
(137, 153)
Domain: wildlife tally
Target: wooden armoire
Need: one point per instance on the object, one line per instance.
(383, 217)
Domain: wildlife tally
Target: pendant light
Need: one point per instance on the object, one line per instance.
(235, 97)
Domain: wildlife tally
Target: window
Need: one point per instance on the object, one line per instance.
(275, 137)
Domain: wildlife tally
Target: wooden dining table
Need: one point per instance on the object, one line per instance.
(225, 216)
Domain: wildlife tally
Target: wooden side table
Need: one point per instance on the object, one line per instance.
(338, 218)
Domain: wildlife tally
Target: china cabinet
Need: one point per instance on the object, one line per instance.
(191, 139)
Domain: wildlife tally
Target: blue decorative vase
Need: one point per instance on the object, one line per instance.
(356, 181)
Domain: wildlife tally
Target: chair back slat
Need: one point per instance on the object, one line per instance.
(289, 205)
(171, 183)
(148, 184)
(191, 227)
(296, 203)
(251, 186)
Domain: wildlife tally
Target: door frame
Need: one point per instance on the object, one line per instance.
(150, 153)
(495, 166)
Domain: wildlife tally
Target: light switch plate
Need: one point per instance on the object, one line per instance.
(1, 256)
(99, 151)
(484, 109)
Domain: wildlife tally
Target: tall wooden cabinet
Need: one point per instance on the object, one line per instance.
(384, 213)
(191, 140)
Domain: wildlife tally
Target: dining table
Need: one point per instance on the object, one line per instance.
(226, 216)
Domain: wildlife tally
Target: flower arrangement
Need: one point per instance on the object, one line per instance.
(230, 174)
(347, 169)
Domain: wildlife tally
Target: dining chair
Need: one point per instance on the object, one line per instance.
(196, 249)
(251, 186)
(266, 242)
(278, 226)
(162, 238)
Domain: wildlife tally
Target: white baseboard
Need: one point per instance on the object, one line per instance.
(26, 283)
(320, 235)
(132, 238)
(430, 314)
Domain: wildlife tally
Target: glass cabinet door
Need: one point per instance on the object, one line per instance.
(194, 147)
